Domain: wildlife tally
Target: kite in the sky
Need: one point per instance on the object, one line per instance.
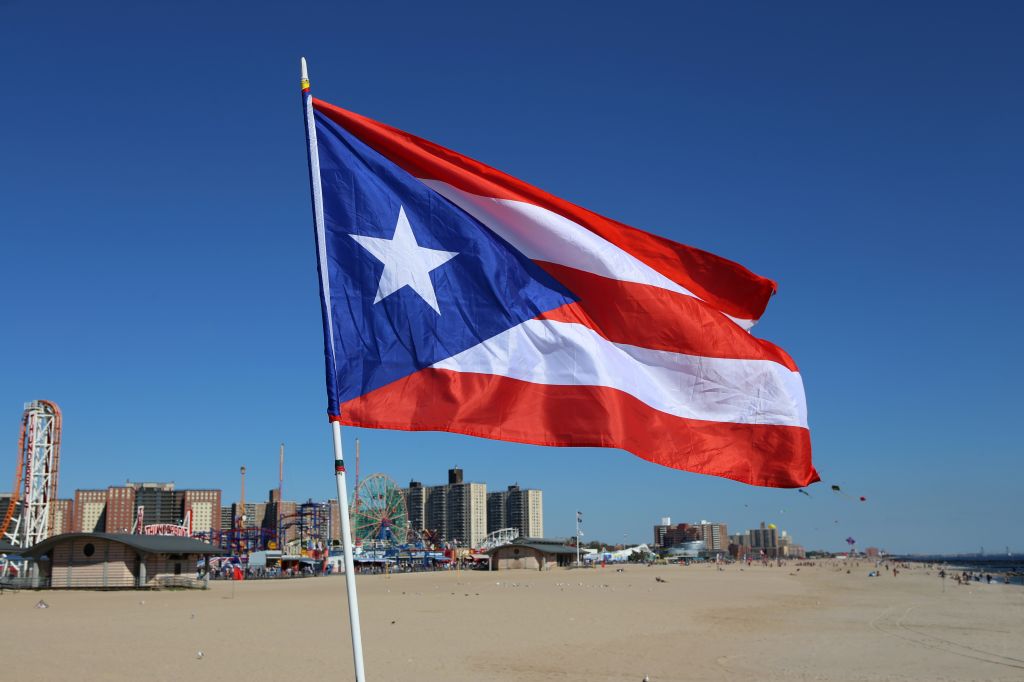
(803, 492)
(837, 489)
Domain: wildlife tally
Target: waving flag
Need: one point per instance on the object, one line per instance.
(458, 298)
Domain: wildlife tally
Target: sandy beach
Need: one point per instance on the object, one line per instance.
(818, 623)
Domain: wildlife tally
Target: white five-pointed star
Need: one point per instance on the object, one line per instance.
(406, 263)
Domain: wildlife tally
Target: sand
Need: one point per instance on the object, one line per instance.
(598, 624)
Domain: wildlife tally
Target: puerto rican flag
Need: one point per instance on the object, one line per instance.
(457, 298)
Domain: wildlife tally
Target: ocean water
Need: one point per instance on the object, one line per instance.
(1010, 567)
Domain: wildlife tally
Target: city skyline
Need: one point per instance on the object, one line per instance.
(226, 505)
(104, 509)
(633, 535)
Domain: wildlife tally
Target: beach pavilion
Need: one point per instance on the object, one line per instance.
(114, 560)
(537, 554)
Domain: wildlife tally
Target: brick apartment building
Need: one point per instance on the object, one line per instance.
(90, 511)
(115, 509)
(62, 516)
(204, 508)
(120, 509)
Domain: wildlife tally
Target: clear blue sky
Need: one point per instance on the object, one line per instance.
(157, 265)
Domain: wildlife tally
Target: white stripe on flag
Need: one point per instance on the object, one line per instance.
(318, 219)
(689, 386)
(547, 236)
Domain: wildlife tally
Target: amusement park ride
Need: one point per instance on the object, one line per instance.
(28, 517)
(379, 514)
(380, 517)
(308, 525)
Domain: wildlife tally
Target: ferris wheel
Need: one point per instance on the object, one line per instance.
(379, 514)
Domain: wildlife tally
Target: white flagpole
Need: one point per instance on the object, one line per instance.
(339, 460)
(346, 543)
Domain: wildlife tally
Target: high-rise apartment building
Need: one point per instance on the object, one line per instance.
(90, 511)
(533, 513)
(660, 530)
(272, 512)
(456, 512)
(62, 516)
(227, 519)
(161, 503)
(120, 509)
(203, 508)
(497, 511)
(416, 505)
(437, 511)
(516, 508)
(467, 513)
(765, 539)
(714, 535)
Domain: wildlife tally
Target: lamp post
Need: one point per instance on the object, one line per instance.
(579, 534)
(241, 511)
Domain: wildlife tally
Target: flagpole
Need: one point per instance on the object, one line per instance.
(346, 543)
(339, 460)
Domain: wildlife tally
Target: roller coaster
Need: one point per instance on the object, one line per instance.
(240, 541)
(28, 518)
(309, 525)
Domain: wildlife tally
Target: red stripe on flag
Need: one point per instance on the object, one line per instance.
(726, 285)
(500, 408)
(650, 317)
